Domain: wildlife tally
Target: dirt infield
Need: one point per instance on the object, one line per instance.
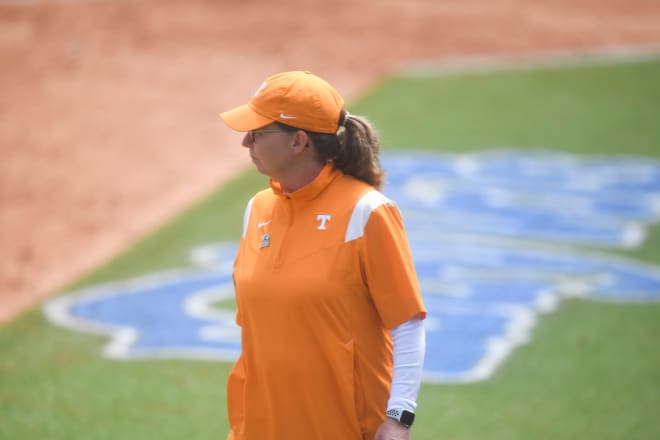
(108, 108)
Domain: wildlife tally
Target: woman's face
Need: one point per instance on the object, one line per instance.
(270, 150)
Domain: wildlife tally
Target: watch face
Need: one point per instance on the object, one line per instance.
(407, 418)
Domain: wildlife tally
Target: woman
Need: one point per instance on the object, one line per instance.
(328, 300)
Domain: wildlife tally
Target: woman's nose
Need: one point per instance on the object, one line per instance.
(247, 140)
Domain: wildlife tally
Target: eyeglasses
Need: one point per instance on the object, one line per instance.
(252, 134)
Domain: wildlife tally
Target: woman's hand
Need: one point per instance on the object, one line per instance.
(392, 430)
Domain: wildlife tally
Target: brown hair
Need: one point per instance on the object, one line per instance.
(355, 149)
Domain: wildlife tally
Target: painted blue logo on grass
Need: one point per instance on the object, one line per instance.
(496, 239)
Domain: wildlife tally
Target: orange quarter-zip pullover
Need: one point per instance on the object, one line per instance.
(321, 276)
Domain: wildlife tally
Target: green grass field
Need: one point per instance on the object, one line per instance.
(592, 370)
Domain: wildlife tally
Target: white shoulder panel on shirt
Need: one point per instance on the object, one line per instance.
(361, 212)
(246, 216)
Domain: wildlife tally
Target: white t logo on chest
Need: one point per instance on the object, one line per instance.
(323, 218)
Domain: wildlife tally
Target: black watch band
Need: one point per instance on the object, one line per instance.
(406, 418)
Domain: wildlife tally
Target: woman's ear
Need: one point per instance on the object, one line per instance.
(300, 141)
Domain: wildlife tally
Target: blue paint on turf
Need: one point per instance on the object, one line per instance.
(484, 231)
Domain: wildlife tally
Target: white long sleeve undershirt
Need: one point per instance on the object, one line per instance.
(409, 344)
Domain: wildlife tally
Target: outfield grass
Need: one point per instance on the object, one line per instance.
(592, 110)
(592, 370)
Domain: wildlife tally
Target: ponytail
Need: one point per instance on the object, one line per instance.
(354, 149)
(359, 151)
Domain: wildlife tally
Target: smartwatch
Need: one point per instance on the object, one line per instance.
(406, 418)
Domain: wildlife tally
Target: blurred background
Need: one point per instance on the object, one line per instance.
(108, 108)
(113, 164)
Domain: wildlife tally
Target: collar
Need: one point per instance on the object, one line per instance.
(311, 190)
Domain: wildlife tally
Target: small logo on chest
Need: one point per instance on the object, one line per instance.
(265, 241)
(323, 221)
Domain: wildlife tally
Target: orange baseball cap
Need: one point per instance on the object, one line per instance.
(297, 98)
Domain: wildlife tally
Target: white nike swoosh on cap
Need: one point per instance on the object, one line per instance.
(285, 116)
